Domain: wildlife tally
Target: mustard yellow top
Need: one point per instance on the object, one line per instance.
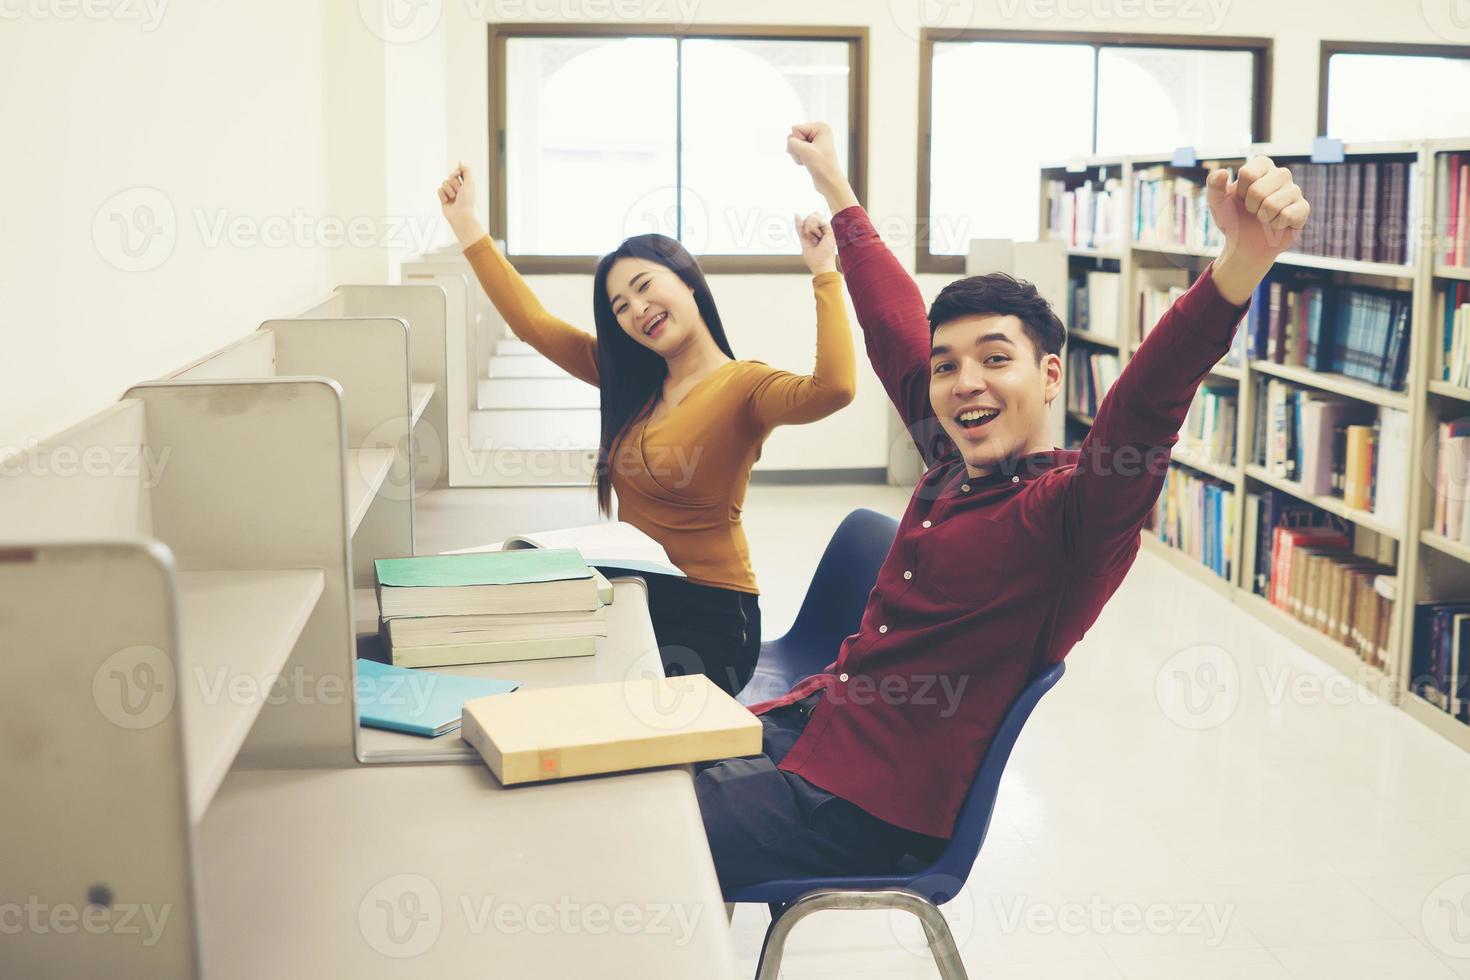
(681, 480)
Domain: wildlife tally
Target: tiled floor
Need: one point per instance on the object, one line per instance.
(1198, 799)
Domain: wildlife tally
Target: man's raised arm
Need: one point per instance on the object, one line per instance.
(889, 307)
(1124, 457)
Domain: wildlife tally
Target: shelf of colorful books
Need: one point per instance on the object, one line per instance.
(1082, 417)
(1333, 505)
(1092, 338)
(1187, 564)
(1451, 272)
(1323, 647)
(1187, 455)
(1336, 383)
(1446, 390)
(1442, 544)
(1437, 719)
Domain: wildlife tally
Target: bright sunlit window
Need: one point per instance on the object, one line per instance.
(1000, 110)
(611, 136)
(1373, 97)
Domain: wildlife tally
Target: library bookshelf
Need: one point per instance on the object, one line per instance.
(1429, 565)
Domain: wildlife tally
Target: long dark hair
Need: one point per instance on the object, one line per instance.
(629, 374)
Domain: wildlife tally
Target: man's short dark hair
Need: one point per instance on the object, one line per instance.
(998, 294)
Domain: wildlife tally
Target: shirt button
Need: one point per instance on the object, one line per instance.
(1015, 479)
(883, 629)
(966, 488)
(908, 574)
(928, 523)
(842, 677)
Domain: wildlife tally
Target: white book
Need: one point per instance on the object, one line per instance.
(609, 544)
(1391, 498)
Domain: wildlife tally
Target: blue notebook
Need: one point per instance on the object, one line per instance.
(417, 701)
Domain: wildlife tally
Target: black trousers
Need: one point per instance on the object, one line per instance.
(763, 823)
(706, 630)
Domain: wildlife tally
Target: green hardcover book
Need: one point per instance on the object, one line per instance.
(486, 583)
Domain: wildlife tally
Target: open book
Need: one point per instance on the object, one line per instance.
(612, 544)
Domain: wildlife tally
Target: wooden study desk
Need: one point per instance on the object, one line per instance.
(438, 870)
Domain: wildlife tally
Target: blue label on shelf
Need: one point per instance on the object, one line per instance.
(1184, 157)
(1326, 150)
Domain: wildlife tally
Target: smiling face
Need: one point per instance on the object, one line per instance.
(990, 391)
(653, 305)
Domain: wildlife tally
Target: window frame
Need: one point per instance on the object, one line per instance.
(1326, 49)
(1260, 47)
(857, 119)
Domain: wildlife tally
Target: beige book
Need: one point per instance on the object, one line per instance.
(557, 732)
(447, 655)
(424, 631)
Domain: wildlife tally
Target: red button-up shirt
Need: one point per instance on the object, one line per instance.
(990, 579)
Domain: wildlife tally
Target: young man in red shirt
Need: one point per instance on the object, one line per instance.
(1006, 555)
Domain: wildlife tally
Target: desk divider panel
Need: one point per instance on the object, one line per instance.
(94, 810)
(90, 481)
(424, 308)
(368, 357)
(461, 376)
(256, 480)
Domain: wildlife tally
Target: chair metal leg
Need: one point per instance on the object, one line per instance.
(941, 940)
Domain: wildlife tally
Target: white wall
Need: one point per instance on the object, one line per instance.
(242, 148)
(768, 317)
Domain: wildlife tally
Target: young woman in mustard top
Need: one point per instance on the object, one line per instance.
(683, 421)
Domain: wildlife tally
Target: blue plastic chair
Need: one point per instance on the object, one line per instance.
(920, 892)
(832, 609)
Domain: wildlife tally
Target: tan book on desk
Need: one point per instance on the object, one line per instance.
(590, 729)
(454, 654)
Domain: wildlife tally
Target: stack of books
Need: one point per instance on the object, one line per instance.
(1334, 446)
(1441, 659)
(1361, 210)
(1197, 516)
(1302, 320)
(1086, 216)
(489, 607)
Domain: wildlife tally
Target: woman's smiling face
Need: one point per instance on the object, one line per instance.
(652, 304)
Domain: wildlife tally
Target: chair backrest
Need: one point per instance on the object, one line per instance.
(833, 606)
(948, 873)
